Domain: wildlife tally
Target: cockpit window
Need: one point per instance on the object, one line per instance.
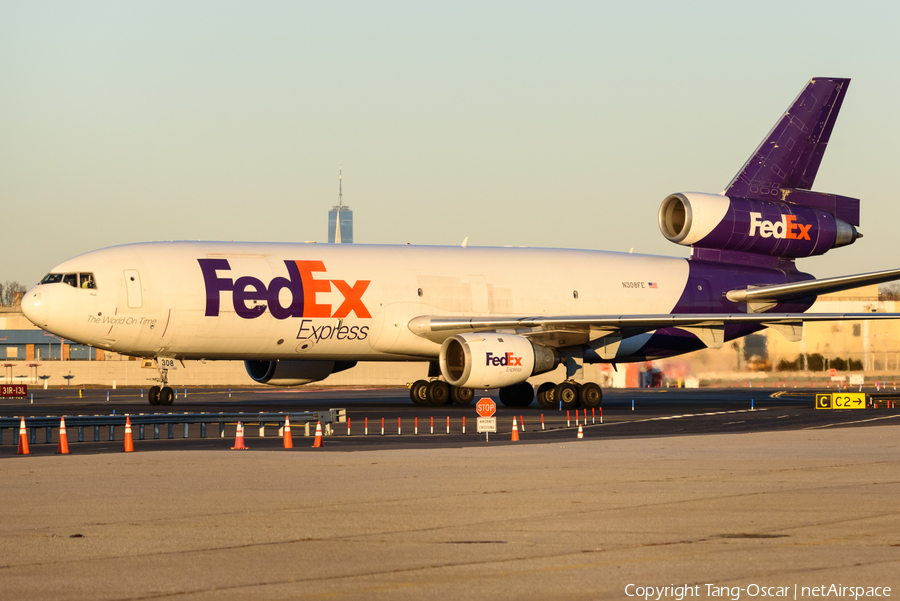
(75, 280)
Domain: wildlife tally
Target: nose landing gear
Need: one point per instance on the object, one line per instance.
(162, 395)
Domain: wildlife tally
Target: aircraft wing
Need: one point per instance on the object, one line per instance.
(568, 330)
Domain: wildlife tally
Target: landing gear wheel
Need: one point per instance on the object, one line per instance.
(543, 391)
(438, 393)
(166, 396)
(462, 396)
(417, 393)
(550, 397)
(566, 393)
(591, 395)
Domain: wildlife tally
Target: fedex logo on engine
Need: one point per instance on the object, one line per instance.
(787, 227)
(301, 282)
(507, 359)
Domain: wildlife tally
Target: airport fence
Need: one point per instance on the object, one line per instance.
(141, 421)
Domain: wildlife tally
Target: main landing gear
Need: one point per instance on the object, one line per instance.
(162, 395)
(569, 395)
(438, 392)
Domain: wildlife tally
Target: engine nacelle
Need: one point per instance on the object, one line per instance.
(754, 226)
(493, 360)
(293, 373)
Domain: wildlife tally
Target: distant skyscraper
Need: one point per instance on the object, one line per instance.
(340, 218)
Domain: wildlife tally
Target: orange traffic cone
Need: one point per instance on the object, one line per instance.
(580, 432)
(239, 439)
(515, 431)
(129, 441)
(23, 439)
(288, 441)
(318, 441)
(63, 448)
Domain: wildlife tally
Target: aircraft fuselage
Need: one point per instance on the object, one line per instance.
(226, 300)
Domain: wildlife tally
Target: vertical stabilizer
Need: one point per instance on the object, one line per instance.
(789, 156)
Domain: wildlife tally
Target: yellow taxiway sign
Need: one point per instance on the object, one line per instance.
(841, 400)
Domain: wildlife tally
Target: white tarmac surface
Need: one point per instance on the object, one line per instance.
(579, 520)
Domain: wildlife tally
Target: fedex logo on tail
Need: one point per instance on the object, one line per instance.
(302, 283)
(507, 359)
(787, 227)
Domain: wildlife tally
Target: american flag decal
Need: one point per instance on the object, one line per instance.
(652, 284)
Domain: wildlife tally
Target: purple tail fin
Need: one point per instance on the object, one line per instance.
(790, 155)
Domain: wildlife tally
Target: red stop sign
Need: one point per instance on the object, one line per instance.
(832, 372)
(486, 407)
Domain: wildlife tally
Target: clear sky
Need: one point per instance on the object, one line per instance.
(556, 124)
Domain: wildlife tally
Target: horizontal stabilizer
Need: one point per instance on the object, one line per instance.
(766, 296)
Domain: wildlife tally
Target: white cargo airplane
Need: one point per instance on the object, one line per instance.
(482, 317)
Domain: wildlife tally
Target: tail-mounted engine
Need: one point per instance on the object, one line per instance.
(491, 360)
(293, 373)
(755, 226)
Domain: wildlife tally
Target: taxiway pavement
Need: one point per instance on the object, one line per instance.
(779, 496)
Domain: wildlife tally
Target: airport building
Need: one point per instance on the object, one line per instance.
(22, 341)
(875, 344)
(849, 347)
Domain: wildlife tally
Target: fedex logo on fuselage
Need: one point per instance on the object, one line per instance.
(301, 282)
(505, 359)
(787, 227)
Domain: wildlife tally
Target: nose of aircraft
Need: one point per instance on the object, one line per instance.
(36, 307)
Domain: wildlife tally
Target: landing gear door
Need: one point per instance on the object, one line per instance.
(133, 289)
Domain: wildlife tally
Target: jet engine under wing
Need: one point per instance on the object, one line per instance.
(761, 298)
(568, 330)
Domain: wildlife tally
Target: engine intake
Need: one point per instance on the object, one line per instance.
(493, 360)
(755, 226)
(293, 373)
